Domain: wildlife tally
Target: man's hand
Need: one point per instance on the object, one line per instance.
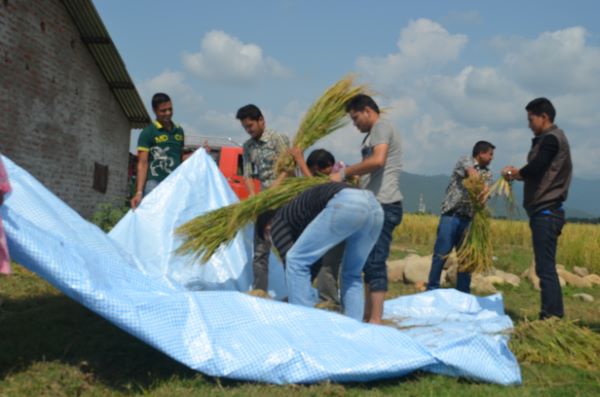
(336, 177)
(510, 173)
(136, 200)
(296, 153)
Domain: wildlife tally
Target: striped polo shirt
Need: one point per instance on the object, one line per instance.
(291, 220)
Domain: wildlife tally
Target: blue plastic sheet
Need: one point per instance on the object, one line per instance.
(197, 315)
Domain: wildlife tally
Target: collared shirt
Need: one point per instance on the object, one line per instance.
(260, 156)
(164, 148)
(457, 199)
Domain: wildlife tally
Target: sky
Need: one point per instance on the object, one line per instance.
(447, 73)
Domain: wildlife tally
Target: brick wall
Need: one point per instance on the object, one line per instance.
(57, 114)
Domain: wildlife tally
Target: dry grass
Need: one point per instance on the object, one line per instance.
(556, 341)
(578, 245)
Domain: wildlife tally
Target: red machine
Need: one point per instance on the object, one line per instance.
(229, 158)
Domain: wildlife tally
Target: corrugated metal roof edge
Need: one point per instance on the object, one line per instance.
(96, 38)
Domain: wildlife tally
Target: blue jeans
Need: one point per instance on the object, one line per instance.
(352, 215)
(375, 268)
(150, 185)
(545, 229)
(450, 233)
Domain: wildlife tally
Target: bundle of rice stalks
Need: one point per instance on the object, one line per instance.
(203, 235)
(556, 341)
(324, 116)
(475, 252)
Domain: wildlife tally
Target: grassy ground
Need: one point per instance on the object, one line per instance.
(52, 346)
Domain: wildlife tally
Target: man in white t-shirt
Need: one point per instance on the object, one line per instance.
(379, 172)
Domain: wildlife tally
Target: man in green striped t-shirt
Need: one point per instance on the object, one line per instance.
(160, 148)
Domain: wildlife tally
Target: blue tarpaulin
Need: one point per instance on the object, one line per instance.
(199, 315)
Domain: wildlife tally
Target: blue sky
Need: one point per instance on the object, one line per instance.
(449, 73)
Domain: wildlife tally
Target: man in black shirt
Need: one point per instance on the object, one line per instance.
(547, 177)
(313, 223)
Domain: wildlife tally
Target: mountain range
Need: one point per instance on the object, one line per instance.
(583, 200)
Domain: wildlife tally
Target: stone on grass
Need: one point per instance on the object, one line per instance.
(481, 286)
(395, 270)
(574, 280)
(593, 278)
(417, 268)
(508, 278)
(580, 271)
(584, 297)
(494, 279)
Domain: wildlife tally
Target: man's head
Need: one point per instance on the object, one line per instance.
(363, 111)
(483, 152)
(162, 107)
(320, 161)
(540, 115)
(252, 120)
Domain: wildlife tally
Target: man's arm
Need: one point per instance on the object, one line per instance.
(247, 171)
(249, 182)
(368, 165)
(538, 165)
(142, 174)
(298, 156)
(541, 162)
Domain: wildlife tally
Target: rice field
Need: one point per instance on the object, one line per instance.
(579, 244)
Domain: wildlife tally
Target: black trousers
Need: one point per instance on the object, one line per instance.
(546, 226)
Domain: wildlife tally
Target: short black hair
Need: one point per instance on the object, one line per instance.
(540, 106)
(159, 98)
(320, 158)
(262, 221)
(359, 102)
(482, 147)
(250, 111)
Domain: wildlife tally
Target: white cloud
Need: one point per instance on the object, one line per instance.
(225, 58)
(441, 113)
(423, 46)
(555, 63)
(173, 84)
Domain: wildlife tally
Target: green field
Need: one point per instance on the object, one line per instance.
(52, 346)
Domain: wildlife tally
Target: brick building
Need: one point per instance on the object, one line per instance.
(67, 103)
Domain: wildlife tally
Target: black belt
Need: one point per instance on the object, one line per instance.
(457, 214)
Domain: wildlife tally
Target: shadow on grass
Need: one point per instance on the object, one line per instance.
(55, 328)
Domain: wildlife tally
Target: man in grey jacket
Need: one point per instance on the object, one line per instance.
(547, 176)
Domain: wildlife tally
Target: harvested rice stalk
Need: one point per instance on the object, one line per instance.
(324, 116)
(556, 341)
(503, 188)
(475, 252)
(203, 235)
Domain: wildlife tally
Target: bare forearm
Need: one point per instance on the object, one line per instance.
(250, 186)
(364, 167)
(142, 174)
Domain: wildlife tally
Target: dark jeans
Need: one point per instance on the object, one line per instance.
(546, 226)
(450, 234)
(260, 262)
(375, 269)
(326, 271)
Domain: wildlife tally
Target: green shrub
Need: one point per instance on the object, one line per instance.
(107, 215)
